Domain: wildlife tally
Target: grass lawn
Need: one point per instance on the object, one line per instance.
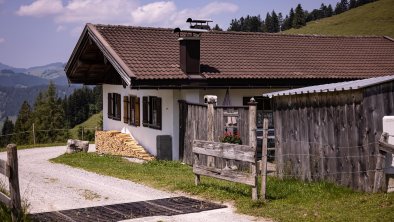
(91, 123)
(288, 200)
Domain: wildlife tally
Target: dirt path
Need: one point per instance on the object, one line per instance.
(53, 187)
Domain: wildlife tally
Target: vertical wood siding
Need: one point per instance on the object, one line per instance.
(332, 136)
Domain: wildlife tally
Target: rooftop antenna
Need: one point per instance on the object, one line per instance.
(199, 23)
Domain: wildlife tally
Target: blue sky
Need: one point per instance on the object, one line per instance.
(38, 32)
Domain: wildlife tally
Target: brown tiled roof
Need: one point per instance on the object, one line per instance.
(153, 53)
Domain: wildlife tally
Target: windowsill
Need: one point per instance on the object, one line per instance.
(151, 126)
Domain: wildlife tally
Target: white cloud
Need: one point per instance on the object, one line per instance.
(2, 40)
(97, 11)
(153, 12)
(128, 12)
(41, 8)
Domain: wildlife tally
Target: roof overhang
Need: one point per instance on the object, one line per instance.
(93, 61)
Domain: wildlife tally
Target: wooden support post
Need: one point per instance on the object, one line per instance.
(210, 130)
(13, 178)
(253, 141)
(263, 166)
(196, 156)
(34, 136)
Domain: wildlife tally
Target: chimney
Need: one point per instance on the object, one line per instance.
(189, 45)
(189, 53)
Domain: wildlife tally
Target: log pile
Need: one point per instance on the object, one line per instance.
(114, 142)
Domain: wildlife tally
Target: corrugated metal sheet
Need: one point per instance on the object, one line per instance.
(340, 86)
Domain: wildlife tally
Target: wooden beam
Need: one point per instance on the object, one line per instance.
(229, 175)
(225, 150)
(384, 145)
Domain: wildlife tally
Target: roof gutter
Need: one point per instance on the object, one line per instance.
(110, 54)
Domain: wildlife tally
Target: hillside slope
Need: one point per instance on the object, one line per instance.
(375, 18)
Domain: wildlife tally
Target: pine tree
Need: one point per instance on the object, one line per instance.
(291, 19)
(217, 28)
(299, 17)
(48, 116)
(329, 11)
(268, 23)
(6, 132)
(275, 22)
(23, 124)
(352, 4)
(280, 19)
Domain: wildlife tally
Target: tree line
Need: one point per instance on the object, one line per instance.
(51, 115)
(296, 18)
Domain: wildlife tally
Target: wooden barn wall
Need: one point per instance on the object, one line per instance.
(196, 114)
(332, 136)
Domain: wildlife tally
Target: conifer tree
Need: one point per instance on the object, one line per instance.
(275, 22)
(299, 17)
(268, 23)
(217, 28)
(23, 124)
(6, 131)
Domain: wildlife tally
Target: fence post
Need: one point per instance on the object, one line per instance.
(210, 130)
(197, 179)
(263, 166)
(34, 136)
(13, 178)
(253, 141)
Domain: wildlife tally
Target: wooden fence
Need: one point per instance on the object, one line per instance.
(218, 159)
(193, 125)
(332, 136)
(226, 152)
(9, 168)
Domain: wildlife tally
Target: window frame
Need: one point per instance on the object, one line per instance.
(152, 112)
(114, 106)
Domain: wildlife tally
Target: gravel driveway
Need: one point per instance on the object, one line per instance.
(52, 187)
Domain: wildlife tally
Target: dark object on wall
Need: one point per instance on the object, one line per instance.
(164, 147)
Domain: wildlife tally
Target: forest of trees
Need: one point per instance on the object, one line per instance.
(297, 18)
(52, 116)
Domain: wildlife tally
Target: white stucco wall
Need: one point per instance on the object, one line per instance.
(170, 110)
(144, 135)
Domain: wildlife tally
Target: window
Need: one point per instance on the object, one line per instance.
(131, 110)
(151, 108)
(114, 106)
(134, 111)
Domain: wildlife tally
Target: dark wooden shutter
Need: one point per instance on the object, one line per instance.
(145, 112)
(126, 109)
(118, 107)
(131, 122)
(137, 111)
(110, 105)
(159, 112)
(151, 108)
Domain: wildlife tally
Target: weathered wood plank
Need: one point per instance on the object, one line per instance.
(12, 163)
(3, 168)
(225, 150)
(5, 199)
(229, 175)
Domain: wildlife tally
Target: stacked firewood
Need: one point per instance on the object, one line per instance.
(116, 143)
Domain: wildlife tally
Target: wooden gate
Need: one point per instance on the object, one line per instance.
(193, 125)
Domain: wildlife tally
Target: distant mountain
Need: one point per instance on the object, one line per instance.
(11, 98)
(54, 72)
(19, 80)
(374, 18)
(16, 70)
(50, 71)
(19, 84)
